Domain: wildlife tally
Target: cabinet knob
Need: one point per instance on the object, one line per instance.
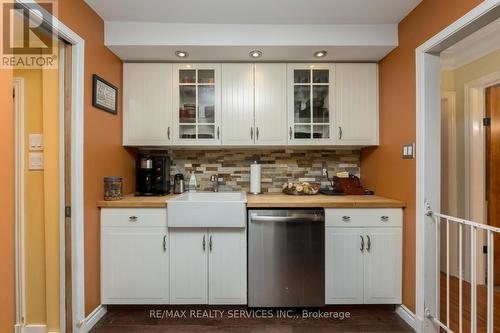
(346, 218)
(133, 218)
(384, 218)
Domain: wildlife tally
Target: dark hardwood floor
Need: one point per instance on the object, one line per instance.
(139, 319)
(481, 304)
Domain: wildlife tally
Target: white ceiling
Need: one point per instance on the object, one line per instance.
(227, 30)
(477, 45)
(255, 11)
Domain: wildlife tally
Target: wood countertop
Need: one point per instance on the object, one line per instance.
(131, 201)
(277, 200)
(320, 200)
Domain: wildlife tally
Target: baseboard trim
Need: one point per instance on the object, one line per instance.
(93, 318)
(32, 328)
(407, 316)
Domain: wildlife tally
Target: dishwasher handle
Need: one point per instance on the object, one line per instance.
(294, 218)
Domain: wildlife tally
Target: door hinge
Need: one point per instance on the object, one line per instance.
(67, 211)
(487, 121)
(14, 93)
(485, 249)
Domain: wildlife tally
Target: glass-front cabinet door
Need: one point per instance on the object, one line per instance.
(310, 104)
(197, 104)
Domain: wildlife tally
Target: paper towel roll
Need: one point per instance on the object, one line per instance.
(255, 171)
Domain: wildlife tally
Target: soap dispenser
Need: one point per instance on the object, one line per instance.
(192, 183)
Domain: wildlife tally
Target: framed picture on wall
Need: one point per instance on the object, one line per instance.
(104, 95)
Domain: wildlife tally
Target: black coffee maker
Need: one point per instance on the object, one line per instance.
(152, 174)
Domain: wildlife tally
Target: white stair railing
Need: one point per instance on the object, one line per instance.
(473, 228)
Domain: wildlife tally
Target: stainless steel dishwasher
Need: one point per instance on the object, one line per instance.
(286, 258)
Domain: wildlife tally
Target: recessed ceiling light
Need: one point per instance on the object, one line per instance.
(181, 54)
(320, 54)
(255, 54)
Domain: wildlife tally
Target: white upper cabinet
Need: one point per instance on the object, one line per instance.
(356, 104)
(251, 104)
(270, 104)
(238, 104)
(147, 104)
(197, 104)
(310, 104)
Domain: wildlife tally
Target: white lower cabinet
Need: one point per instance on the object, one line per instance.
(363, 256)
(134, 256)
(208, 266)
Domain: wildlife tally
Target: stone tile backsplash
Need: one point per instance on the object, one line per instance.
(278, 166)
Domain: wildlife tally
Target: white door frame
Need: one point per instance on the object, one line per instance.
(77, 127)
(18, 85)
(428, 115)
(475, 163)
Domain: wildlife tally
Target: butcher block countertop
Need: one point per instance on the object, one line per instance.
(131, 201)
(320, 200)
(271, 201)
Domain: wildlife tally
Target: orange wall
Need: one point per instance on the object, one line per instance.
(7, 297)
(103, 154)
(382, 168)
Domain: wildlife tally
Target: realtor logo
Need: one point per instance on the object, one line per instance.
(27, 36)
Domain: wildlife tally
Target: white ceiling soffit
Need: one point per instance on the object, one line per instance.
(227, 30)
(204, 42)
(477, 45)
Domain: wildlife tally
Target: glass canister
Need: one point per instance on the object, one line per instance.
(113, 188)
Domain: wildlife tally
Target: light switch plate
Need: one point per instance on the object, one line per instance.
(408, 151)
(35, 141)
(35, 161)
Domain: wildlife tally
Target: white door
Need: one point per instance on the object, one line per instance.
(197, 104)
(383, 260)
(270, 104)
(188, 266)
(344, 251)
(227, 266)
(147, 104)
(134, 265)
(356, 100)
(237, 104)
(310, 104)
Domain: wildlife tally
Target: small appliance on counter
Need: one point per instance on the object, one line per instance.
(152, 174)
(179, 185)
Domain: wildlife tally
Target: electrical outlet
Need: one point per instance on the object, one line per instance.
(408, 151)
(35, 161)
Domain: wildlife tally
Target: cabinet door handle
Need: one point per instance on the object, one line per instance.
(384, 218)
(210, 243)
(133, 218)
(218, 132)
(362, 243)
(165, 243)
(291, 133)
(369, 245)
(340, 132)
(204, 243)
(251, 133)
(257, 134)
(346, 218)
(168, 133)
